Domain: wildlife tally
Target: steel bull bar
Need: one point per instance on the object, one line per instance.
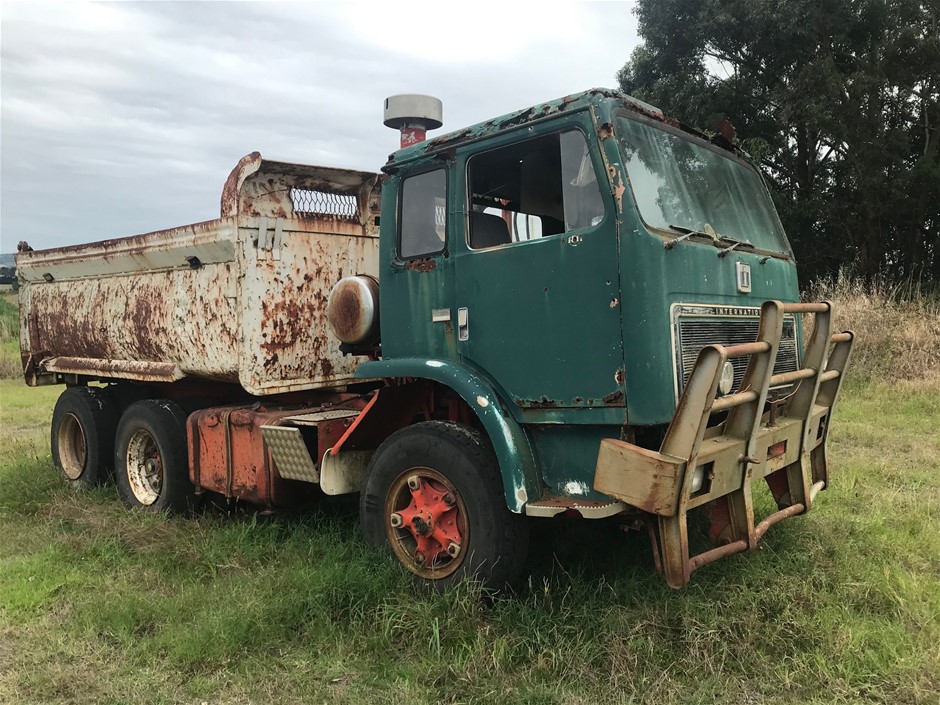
(698, 465)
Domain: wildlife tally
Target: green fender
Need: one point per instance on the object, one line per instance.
(513, 449)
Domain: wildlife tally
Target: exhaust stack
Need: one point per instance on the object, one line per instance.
(412, 115)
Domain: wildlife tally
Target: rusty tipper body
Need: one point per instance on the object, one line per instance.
(586, 309)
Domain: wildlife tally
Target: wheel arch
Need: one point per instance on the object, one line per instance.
(511, 444)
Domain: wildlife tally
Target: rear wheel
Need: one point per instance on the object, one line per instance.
(150, 458)
(433, 497)
(83, 427)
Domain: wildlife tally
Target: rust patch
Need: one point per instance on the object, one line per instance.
(659, 117)
(618, 377)
(345, 310)
(128, 369)
(542, 403)
(618, 185)
(245, 166)
(421, 265)
(614, 398)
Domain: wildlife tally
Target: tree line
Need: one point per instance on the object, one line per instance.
(838, 100)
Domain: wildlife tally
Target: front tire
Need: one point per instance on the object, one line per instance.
(433, 497)
(151, 460)
(83, 427)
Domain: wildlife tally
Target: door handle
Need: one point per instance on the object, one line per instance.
(463, 324)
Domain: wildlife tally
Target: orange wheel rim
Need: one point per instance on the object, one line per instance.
(426, 523)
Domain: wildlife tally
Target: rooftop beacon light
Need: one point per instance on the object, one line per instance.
(413, 115)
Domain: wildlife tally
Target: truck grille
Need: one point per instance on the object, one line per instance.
(697, 326)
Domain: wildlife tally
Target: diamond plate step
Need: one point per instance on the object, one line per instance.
(290, 453)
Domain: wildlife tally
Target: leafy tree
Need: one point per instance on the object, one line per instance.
(838, 99)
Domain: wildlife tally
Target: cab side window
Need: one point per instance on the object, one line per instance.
(422, 222)
(533, 189)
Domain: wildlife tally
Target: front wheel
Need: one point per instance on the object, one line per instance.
(150, 458)
(433, 496)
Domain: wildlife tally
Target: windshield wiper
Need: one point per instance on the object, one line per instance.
(708, 232)
(688, 233)
(734, 244)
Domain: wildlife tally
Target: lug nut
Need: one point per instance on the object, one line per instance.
(395, 520)
(419, 558)
(453, 550)
(414, 482)
(450, 500)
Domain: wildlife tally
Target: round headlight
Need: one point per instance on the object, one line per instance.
(698, 478)
(727, 378)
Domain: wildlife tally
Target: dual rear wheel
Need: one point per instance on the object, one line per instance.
(150, 458)
(143, 448)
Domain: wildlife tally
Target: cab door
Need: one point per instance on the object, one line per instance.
(537, 279)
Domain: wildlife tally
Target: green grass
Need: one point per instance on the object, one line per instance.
(840, 606)
(10, 365)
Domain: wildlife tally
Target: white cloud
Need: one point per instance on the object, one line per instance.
(126, 117)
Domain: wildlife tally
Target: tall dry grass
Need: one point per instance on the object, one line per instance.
(897, 326)
(10, 366)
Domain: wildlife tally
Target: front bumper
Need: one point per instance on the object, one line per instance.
(784, 444)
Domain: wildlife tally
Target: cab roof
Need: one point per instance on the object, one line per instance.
(568, 103)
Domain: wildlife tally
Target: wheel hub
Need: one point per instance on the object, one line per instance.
(144, 467)
(423, 522)
(426, 523)
(72, 447)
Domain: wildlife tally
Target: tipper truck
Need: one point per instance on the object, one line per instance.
(584, 308)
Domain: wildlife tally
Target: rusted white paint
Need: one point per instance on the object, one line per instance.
(238, 299)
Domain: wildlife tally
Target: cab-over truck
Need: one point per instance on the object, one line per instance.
(587, 308)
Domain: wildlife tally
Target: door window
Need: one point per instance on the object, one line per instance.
(423, 222)
(533, 189)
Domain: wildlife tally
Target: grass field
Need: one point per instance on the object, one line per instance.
(840, 606)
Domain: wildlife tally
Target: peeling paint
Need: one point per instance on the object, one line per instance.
(575, 487)
(619, 188)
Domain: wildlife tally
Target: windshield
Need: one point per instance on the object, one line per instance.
(679, 184)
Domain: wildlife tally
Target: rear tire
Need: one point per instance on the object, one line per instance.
(83, 426)
(433, 498)
(151, 459)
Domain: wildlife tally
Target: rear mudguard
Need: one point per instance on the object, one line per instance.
(511, 444)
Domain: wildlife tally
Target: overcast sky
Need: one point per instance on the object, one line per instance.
(123, 118)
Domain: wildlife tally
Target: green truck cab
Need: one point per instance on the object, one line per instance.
(561, 268)
(587, 309)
